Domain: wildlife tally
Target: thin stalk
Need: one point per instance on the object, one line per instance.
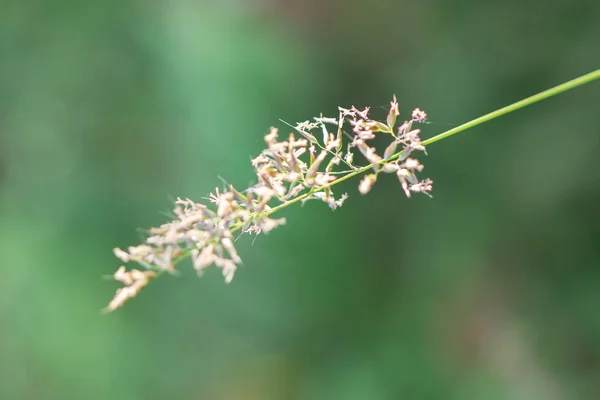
(563, 87)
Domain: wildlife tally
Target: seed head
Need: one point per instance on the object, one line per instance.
(287, 171)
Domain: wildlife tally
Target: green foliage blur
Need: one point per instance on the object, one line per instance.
(110, 110)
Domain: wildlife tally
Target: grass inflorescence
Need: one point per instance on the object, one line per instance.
(304, 166)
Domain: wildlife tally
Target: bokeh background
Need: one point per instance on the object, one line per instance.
(110, 110)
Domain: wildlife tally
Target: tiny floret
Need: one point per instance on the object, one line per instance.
(419, 115)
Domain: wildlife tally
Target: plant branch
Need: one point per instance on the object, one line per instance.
(563, 87)
(477, 121)
(135, 279)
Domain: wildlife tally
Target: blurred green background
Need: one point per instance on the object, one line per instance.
(110, 110)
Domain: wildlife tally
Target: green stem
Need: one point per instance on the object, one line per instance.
(519, 104)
